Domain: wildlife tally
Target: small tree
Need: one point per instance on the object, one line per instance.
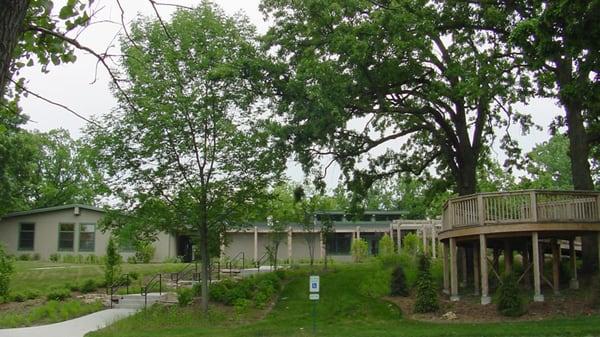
(276, 236)
(398, 282)
(510, 301)
(327, 230)
(426, 292)
(412, 245)
(6, 270)
(112, 264)
(359, 249)
(386, 246)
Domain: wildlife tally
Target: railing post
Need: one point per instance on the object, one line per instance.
(480, 210)
(533, 201)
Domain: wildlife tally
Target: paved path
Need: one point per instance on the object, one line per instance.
(77, 327)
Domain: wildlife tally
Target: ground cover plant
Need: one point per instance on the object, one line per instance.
(341, 311)
(49, 312)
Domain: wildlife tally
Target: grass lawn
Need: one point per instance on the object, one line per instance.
(41, 276)
(342, 311)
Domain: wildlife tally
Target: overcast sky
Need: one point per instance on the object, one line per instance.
(71, 84)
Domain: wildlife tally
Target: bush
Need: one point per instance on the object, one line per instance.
(398, 284)
(376, 285)
(58, 294)
(24, 257)
(18, 297)
(185, 296)
(32, 294)
(386, 246)
(411, 244)
(197, 289)
(509, 300)
(144, 252)
(241, 306)
(112, 263)
(360, 249)
(426, 300)
(88, 286)
(6, 270)
(36, 257)
(55, 257)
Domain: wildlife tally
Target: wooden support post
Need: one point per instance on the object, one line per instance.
(255, 243)
(290, 251)
(358, 232)
(445, 251)
(453, 272)
(573, 283)
(463, 264)
(399, 239)
(476, 276)
(555, 266)
(321, 245)
(508, 257)
(485, 298)
(535, 249)
(433, 242)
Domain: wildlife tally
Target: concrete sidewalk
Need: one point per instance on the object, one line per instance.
(77, 327)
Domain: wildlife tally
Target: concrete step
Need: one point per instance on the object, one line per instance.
(137, 301)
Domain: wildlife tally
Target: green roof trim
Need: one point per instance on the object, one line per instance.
(53, 209)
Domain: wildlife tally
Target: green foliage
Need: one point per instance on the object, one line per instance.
(426, 292)
(185, 297)
(386, 246)
(58, 294)
(359, 249)
(411, 244)
(54, 257)
(377, 284)
(241, 306)
(509, 301)
(144, 252)
(18, 297)
(595, 295)
(88, 286)
(50, 312)
(112, 263)
(24, 257)
(398, 285)
(6, 270)
(257, 288)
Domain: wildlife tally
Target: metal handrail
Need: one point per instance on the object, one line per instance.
(257, 262)
(124, 280)
(235, 258)
(185, 271)
(153, 281)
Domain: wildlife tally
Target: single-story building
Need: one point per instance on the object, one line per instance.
(65, 230)
(73, 230)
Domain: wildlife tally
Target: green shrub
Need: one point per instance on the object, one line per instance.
(426, 300)
(386, 246)
(197, 289)
(88, 286)
(6, 270)
(32, 294)
(359, 249)
(25, 257)
(241, 306)
(508, 297)
(18, 297)
(398, 283)
(376, 284)
(411, 244)
(112, 263)
(36, 257)
(132, 260)
(144, 252)
(72, 286)
(55, 257)
(58, 294)
(185, 296)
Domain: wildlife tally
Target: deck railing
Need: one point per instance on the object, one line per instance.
(521, 206)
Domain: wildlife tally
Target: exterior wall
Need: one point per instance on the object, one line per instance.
(47, 232)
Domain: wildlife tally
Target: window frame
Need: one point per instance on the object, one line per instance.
(19, 248)
(79, 225)
(72, 249)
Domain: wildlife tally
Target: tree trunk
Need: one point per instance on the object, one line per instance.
(579, 152)
(204, 255)
(12, 14)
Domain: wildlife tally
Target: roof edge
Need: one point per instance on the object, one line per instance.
(52, 209)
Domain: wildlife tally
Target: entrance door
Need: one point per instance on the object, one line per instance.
(185, 248)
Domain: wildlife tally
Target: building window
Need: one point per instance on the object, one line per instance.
(26, 236)
(339, 243)
(66, 236)
(87, 237)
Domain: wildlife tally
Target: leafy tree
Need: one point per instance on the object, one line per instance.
(548, 165)
(426, 300)
(277, 233)
(359, 249)
(386, 246)
(394, 84)
(189, 144)
(112, 264)
(398, 282)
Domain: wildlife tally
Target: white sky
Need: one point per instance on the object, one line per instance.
(70, 84)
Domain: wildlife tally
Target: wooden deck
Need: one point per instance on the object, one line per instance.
(521, 211)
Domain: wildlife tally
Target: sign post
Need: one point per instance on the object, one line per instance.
(313, 288)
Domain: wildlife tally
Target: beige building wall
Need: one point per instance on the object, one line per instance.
(46, 234)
